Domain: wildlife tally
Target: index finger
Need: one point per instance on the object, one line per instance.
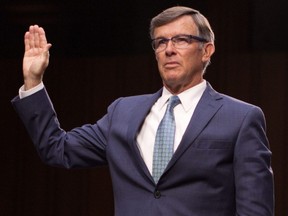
(26, 41)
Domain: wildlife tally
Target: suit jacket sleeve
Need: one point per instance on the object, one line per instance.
(84, 146)
(252, 167)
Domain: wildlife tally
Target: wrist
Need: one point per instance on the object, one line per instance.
(23, 93)
(31, 83)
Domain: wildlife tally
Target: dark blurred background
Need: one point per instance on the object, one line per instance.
(101, 51)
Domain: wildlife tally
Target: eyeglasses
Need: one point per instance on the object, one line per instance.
(178, 41)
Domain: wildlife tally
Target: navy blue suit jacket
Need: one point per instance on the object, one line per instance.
(221, 167)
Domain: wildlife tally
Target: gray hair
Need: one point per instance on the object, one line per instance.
(204, 29)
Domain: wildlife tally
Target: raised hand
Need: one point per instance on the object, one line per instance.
(36, 56)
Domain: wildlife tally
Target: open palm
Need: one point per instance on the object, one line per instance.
(36, 56)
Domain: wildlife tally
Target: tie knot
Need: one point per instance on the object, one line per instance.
(173, 101)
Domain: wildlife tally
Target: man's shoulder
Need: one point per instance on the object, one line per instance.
(136, 101)
(237, 106)
(142, 97)
(228, 99)
(236, 101)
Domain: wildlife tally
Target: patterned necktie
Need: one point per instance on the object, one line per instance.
(164, 142)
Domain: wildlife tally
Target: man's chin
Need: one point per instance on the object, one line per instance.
(171, 82)
(170, 75)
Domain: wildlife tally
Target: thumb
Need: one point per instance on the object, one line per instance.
(46, 50)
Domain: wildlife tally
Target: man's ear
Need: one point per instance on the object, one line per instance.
(208, 51)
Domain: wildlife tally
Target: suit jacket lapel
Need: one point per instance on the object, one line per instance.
(207, 107)
(137, 118)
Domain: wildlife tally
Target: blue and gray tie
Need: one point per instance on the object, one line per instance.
(164, 142)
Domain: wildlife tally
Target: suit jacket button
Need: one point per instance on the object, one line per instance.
(157, 194)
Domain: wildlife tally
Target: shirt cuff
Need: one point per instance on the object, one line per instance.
(23, 93)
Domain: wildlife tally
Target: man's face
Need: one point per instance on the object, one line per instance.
(180, 69)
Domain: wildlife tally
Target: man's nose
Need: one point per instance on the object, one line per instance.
(170, 48)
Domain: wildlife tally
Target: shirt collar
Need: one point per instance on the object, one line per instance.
(187, 97)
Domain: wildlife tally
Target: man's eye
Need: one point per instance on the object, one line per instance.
(162, 41)
(181, 40)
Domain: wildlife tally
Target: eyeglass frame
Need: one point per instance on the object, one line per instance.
(191, 37)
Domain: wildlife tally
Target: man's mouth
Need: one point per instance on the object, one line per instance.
(171, 64)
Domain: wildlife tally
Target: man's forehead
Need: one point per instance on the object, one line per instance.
(182, 25)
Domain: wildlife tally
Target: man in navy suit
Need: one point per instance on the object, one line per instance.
(221, 163)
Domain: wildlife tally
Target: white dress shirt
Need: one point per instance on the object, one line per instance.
(23, 93)
(182, 114)
(146, 137)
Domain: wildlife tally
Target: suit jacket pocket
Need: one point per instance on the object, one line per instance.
(212, 144)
